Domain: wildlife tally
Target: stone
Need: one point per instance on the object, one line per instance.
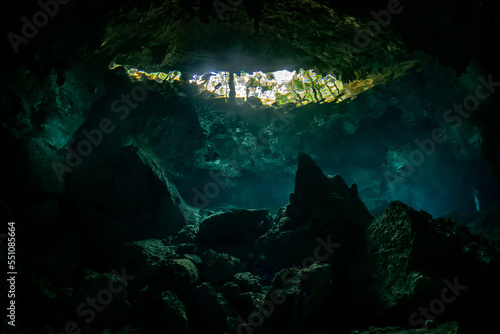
(320, 207)
(300, 298)
(208, 309)
(414, 258)
(187, 234)
(234, 231)
(219, 267)
(233, 226)
(194, 258)
(180, 274)
(149, 258)
(248, 282)
(162, 311)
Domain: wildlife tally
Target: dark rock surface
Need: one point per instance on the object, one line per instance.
(209, 309)
(219, 267)
(162, 311)
(235, 231)
(416, 257)
(302, 296)
(324, 265)
(321, 208)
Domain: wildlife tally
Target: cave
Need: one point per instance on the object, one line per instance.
(250, 166)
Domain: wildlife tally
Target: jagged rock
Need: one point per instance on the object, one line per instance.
(186, 235)
(247, 282)
(246, 303)
(194, 258)
(300, 298)
(180, 274)
(147, 257)
(327, 198)
(159, 264)
(208, 309)
(244, 292)
(162, 311)
(320, 207)
(219, 267)
(415, 258)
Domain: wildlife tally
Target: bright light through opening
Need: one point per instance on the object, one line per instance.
(272, 89)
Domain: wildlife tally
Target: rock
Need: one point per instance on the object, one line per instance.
(194, 258)
(160, 265)
(415, 258)
(320, 207)
(247, 282)
(106, 205)
(234, 231)
(162, 311)
(246, 303)
(219, 267)
(327, 197)
(149, 258)
(187, 234)
(180, 274)
(208, 309)
(233, 226)
(300, 299)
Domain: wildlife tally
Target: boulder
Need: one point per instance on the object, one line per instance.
(187, 234)
(219, 267)
(298, 300)
(247, 303)
(209, 311)
(180, 274)
(162, 311)
(233, 226)
(149, 258)
(248, 282)
(420, 262)
(234, 231)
